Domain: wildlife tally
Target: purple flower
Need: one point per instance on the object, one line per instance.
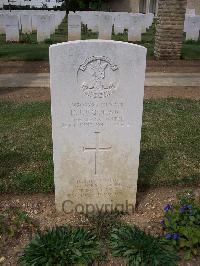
(185, 208)
(182, 209)
(168, 236)
(176, 236)
(167, 207)
(162, 222)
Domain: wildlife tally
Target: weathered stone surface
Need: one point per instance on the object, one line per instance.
(97, 92)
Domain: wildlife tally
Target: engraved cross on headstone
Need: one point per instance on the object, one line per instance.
(97, 149)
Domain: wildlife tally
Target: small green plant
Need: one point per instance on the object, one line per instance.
(103, 223)
(138, 248)
(27, 38)
(62, 246)
(50, 41)
(192, 42)
(181, 224)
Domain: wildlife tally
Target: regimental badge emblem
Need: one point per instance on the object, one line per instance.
(98, 77)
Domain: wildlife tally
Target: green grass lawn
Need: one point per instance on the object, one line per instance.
(169, 148)
(29, 50)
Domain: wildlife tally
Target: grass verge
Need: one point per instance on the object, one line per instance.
(169, 147)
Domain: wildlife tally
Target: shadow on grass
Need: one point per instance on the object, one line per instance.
(149, 162)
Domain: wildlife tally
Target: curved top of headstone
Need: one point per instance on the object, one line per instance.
(89, 42)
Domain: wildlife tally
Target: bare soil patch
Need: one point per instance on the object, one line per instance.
(172, 92)
(181, 66)
(41, 208)
(24, 67)
(25, 94)
(43, 94)
(173, 66)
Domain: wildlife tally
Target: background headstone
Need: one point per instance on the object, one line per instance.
(135, 28)
(105, 27)
(11, 23)
(192, 28)
(26, 23)
(2, 27)
(43, 27)
(74, 27)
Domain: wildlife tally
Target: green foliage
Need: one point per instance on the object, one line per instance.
(192, 42)
(182, 224)
(191, 50)
(62, 246)
(138, 248)
(75, 5)
(103, 223)
(28, 38)
(24, 51)
(13, 221)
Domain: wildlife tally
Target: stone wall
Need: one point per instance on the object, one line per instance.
(197, 7)
(169, 31)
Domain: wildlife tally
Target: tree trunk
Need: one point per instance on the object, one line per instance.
(169, 30)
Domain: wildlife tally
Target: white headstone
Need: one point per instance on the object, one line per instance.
(11, 23)
(34, 20)
(135, 29)
(148, 19)
(2, 27)
(52, 23)
(192, 28)
(74, 27)
(92, 21)
(43, 27)
(97, 90)
(105, 27)
(190, 11)
(26, 23)
(118, 24)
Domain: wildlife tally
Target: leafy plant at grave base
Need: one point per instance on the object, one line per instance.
(27, 38)
(62, 246)
(192, 42)
(181, 224)
(50, 41)
(13, 221)
(138, 248)
(103, 223)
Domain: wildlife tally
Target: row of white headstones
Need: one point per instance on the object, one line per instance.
(103, 22)
(192, 25)
(45, 22)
